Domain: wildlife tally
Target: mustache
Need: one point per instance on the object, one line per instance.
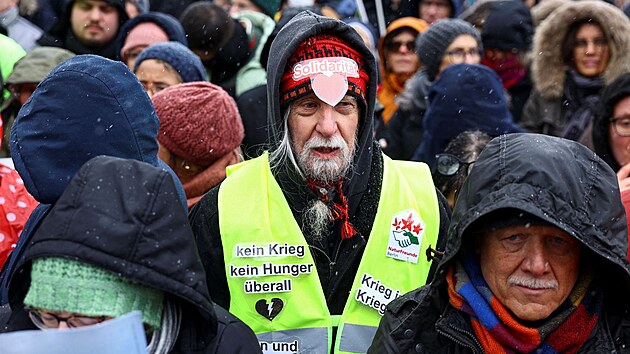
(335, 142)
(532, 283)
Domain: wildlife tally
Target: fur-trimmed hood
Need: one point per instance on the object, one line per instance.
(548, 69)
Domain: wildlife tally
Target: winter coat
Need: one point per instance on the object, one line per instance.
(87, 106)
(124, 216)
(337, 262)
(168, 23)
(584, 201)
(61, 34)
(545, 110)
(403, 133)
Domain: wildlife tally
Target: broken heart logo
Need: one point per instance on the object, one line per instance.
(329, 76)
(269, 310)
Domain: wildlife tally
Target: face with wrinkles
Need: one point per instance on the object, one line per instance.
(530, 269)
(323, 136)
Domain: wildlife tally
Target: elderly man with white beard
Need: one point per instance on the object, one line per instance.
(308, 243)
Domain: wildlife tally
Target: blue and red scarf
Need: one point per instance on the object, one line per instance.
(499, 331)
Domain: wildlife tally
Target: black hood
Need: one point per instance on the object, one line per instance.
(125, 216)
(610, 96)
(514, 172)
(305, 25)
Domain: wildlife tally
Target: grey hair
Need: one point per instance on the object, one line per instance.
(285, 149)
(164, 338)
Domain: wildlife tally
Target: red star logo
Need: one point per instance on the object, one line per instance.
(417, 229)
(408, 223)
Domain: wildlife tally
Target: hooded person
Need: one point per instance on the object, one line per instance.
(200, 134)
(79, 31)
(307, 250)
(535, 260)
(87, 106)
(507, 37)
(465, 97)
(144, 30)
(398, 61)
(580, 48)
(403, 134)
(80, 264)
(610, 135)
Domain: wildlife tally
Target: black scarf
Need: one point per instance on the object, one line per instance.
(582, 95)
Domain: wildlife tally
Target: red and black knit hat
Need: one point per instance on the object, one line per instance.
(306, 72)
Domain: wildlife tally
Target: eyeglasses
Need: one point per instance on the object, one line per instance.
(448, 165)
(46, 320)
(621, 125)
(394, 46)
(459, 55)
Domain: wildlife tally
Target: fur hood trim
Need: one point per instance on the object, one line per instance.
(548, 69)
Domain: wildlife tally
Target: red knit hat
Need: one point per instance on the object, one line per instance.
(199, 121)
(327, 66)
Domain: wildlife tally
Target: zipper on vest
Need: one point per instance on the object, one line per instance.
(474, 347)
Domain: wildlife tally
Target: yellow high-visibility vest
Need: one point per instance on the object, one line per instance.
(272, 278)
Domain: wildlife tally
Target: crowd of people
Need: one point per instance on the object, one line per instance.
(323, 176)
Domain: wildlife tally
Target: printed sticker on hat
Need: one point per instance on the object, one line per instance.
(405, 236)
(329, 76)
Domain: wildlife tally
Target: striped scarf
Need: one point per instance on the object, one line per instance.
(499, 331)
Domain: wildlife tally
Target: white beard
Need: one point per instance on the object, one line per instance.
(326, 170)
(317, 217)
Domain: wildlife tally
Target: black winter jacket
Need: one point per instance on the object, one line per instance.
(514, 171)
(125, 216)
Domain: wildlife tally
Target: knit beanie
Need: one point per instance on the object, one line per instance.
(199, 122)
(343, 72)
(59, 284)
(144, 34)
(183, 60)
(432, 43)
(508, 26)
(269, 7)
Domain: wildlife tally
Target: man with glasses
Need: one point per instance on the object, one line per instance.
(611, 133)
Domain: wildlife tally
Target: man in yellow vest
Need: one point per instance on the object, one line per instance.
(307, 244)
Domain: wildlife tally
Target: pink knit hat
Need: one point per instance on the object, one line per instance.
(199, 121)
(144, 34)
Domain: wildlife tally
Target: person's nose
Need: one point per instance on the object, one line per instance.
(590, 47)
(95, 14)
(471, 58)
(327, 124)
(536, 261)
(63, 325)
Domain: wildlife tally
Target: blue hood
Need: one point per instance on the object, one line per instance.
(465, 97)
(87, 106)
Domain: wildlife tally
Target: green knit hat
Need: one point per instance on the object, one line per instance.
(59, 284)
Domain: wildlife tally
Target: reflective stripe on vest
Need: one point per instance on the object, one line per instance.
(311, 340)
(273, 282)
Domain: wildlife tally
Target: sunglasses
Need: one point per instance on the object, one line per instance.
(448, 165)
(394, 46)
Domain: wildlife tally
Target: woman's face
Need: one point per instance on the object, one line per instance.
(400, 55)
(590, 53)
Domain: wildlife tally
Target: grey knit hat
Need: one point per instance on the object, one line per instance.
(432, 43)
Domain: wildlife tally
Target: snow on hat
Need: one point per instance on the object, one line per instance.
(199, 122)
(143, 35)
(305, 73)
(183, 60)
(432, 43)
(59, 284)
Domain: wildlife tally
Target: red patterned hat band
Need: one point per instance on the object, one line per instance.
(326, 66)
